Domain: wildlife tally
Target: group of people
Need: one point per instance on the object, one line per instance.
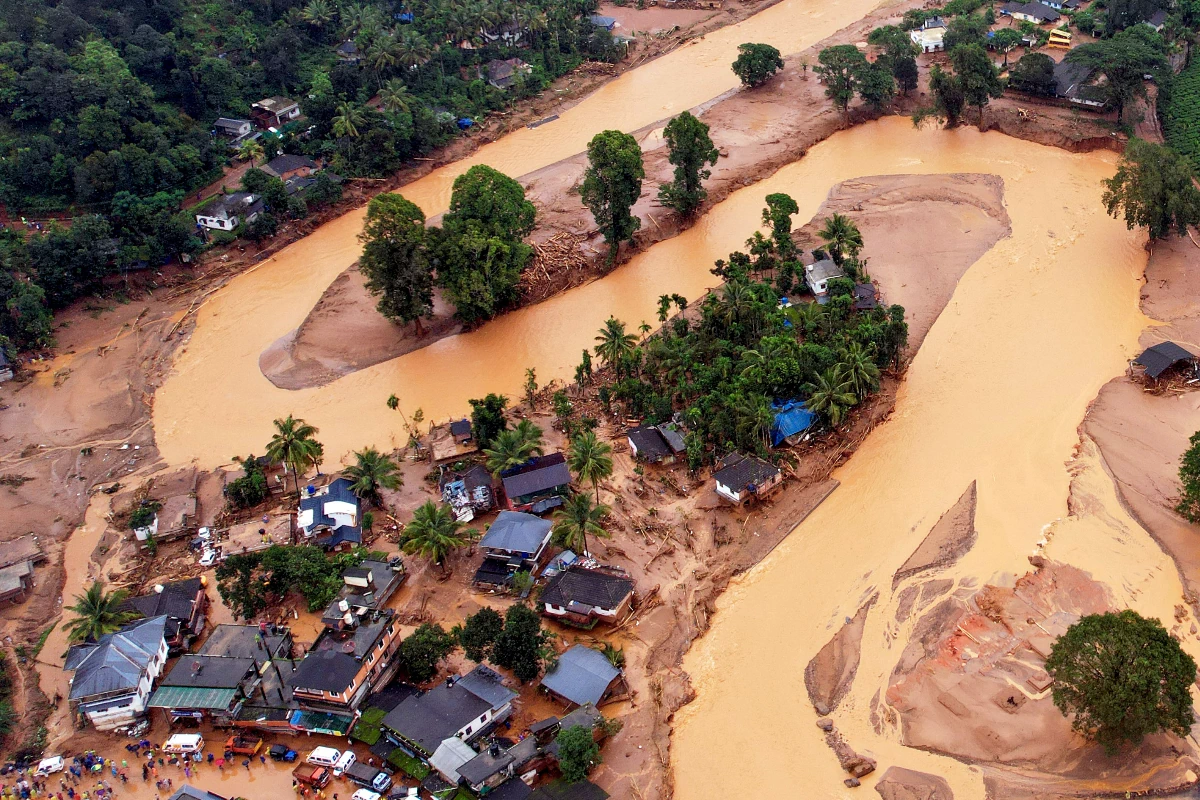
(72, 782)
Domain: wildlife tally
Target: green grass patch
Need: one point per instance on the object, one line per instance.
(1181, 117)
(368, 729)
(408, 765)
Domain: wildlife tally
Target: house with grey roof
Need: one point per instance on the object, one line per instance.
(185, 605)
(538, 485)
(463, 708)
(289, 166)
(365, 589)
(207, 687)
(740, 477)
(584, 597)
(115, 675)
(819, 274)
(187, 792)
(584, 676)
(329, 516)
(227, 212)
(347, 660)
(515, 542)
(655, 444)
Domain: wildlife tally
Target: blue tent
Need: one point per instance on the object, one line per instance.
(791, 419)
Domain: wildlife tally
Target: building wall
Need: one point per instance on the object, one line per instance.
(217, 223)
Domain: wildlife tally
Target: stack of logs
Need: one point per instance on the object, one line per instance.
(558, 263)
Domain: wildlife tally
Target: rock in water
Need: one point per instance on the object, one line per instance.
(899, 783)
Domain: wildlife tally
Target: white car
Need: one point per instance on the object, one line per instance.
(344, 763)
(49, 766)
(324, 756)
(208, 557)
(365, 794)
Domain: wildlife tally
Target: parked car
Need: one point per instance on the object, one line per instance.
(365, 794)
(324, 756)
(208, 558)
(369, 777)
(184, 743)
(281, 752)
(49, 766)
(312, 775)
(347, 760)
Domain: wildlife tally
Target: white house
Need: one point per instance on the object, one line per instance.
(115, 675)
(929, 37)
(230, 211)
(330, 514)
(741, 477)
(818, 276)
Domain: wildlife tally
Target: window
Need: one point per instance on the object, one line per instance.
(467, 731)
(483, 718)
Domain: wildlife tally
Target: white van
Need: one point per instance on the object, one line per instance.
(344, 763)
(49, 766)
(324, 756)
(365, 794)
(184, 743)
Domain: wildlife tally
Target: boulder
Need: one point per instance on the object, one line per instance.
(899, 783)
(825, 724)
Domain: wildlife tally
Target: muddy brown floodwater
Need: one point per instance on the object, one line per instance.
(995, 395)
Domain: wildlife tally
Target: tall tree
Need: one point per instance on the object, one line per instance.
(294, 445)
(614, 343)
(1189, 477)
(590, 459)
(576, 520)
(522, 645)
(487, 418)
(492, 199)
(831, 395)
(510, 449)
(1034, 74)
(1006, 40)
(578, 753)
(689, 150)
(478, 633)
(395, 259)
(839, 68)
(948, 99)
(434, 533)
(372, 471)
(97, 613)
(965, 29)
(1154, 188)
(1123, 61)
(612, 184)
(778, 215)
(976, 74)
(842, 237)
(899, 55)
(876, 86)
(756, 63)
(422, 650)
(1122, 676)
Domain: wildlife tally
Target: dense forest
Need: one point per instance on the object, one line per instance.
(107, 107)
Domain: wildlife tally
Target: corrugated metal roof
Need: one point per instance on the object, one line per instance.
(192, 697)
(582, 676)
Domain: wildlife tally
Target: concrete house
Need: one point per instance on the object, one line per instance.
(115, 675)
(930, 36)
(504, 73)
(818, 276)
(347, 660)
(584, 676)
(184, 604)
(585, 597)
(537, 486)
(461, 708)
(207, 687)
(274, 112)
(655, 444)
(741, 477)
(330, 516)
(226, 213)
(515, 542)
(287, 166)
(16, 566)
(235, 131)
(365, 589)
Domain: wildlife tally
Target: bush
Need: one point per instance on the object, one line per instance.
(250, 489)
(369, 727)
(578, 753)
(144, 514)
(407, 764)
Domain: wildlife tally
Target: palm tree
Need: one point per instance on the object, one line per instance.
(576, 519)
(512, 448)
(831, 395)
(394, 96)
(434, 533)
(318, 13)
(590, 459)
(530, 434)
(754, 418)
(736, 301)
(347, 120)
(859, 366)
(383, 54)
(250, 150)
(615, 344)
(294, 445)
(811, 317)
(664, 307)
(371, 472)
(412, 49)
(843, 237)
(98, 612)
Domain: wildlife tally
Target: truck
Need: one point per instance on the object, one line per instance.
(369, 777)
(312, 775)
(244, 745)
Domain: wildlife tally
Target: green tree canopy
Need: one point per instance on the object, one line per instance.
(1189, 476)
(1122, 61)
(578, 518)
(1122, 676)
(522, 645)
(839, 67)
(876, 86)
(756, 63)
(492, 199)
(434, 533)
(487, 418)
(1006, 40)
(612, 184)
(976, 75)
(578, 753)
(899, 55)
(689, 150)
(1154, 188)
(965, 29)
(590, 459)
(294, 444)
(423, 649)
(478, 633)
(1034, 74)
(948, 99)
(395, 259)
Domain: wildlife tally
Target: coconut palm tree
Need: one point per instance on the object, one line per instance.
(736, 301)
(590, 459)
(615, 344)
(294, 445)
(383, 54)
(319, 14)
(412, 49)
(512, 448)
(754, 418)
(664, 307)
(250, 150)
(530, 434)
(394, 96)
(831, 395)
(858, 364)
(347, 120)
(811, 317)
(576, 519)
(371, 472)
(97, 612)
(842, 236)
(434, 533)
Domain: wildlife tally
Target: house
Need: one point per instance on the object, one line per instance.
(235, 131)
(347, 52)
(329, 516)
(183, 603)
(226, 213)
(186, 792)
(509, 33)
(1158, 21)
(174, 520)
(929, 37)
(23, 548)
(268, 706)
(207, 687)
(451, 754)
(287, 166)
(504, 73)
(792, 420)
(487, 769)
(1162, 358)
(15, 581)
(347, 660)
(452, 442)
(460, 429)
(584, 675)
(538, 485)
(1036, 12)
(261, 643)
(365, 589)
(865, 297)
(6, 370)
(114, 676)
(818, 275)
(274, 112)
(655, 444)
(1072, 82)
(584, 597)
(600, 21)
(469, 492)
(515, 542)
(741, 477)
(462, 708)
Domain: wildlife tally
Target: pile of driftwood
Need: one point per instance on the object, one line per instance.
(557, 263)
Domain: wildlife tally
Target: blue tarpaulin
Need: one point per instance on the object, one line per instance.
(791, 418)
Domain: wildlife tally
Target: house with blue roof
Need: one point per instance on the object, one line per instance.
(330, 516)
(792, 420)
(114, 675)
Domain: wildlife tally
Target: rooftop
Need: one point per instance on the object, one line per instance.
(650, 444)
(209, 672)
(275, 105)
(326, 671)
(248, 641)
(1161, 357)
(427, 719)
(582, 675)
(739, 472)
(540, 475)
(822, 270)
(286, 163)
(589, 587)
(115, 662)
(516, 532)
(23, 548)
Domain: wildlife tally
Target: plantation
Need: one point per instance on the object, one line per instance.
(1181, 115)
